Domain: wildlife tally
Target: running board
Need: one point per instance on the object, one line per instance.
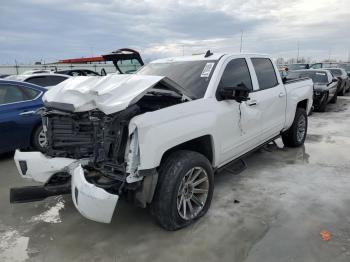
(234, 167)
(36, 193)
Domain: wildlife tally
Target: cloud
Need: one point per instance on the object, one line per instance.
(54, 29)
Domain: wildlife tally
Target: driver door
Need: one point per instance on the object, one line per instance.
(240, 123)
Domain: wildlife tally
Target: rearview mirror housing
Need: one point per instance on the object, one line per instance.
(239, 93)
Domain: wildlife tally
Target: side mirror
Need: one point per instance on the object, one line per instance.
(103, 72)
(239, 93)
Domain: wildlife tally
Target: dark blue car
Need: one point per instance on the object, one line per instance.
(20, 126)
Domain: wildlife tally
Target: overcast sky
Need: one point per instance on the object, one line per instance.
(31, 30)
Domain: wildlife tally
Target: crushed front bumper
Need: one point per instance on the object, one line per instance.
(92, 202)
(38, 167)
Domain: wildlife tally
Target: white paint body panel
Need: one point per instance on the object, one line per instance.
(40, 167)
(92, 202)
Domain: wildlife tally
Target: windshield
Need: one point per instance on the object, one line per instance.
(317, 77)
(335, 72)
(194, 76)
(297, 66)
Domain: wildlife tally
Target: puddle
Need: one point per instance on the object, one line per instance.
(13, 246)
(52, 215)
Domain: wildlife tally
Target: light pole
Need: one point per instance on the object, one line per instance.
(240, 48)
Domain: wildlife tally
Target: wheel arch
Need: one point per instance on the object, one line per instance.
(203, 145)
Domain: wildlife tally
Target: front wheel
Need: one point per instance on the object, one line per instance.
(296, 134)
(184, 190)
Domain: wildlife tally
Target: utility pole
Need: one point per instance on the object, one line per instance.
(240, 48)
(298, 47)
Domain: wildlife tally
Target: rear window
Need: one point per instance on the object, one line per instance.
(46, 80)
(297, 66)
(265, 73)
(10, 93)
(316, 76)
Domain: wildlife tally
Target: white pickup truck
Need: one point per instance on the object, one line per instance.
(157, 137)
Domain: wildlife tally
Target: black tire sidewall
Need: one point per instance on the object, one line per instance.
(323, 105)
(300, 112)
(164, 207)
(35, 138)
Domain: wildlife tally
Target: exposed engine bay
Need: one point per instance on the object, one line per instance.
(102, 139)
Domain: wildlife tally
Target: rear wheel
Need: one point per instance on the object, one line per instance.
(296, 134)
(323, 104)
(184, 191)
(39, 139)
(342, 92)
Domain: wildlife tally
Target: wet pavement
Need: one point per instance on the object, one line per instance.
(272, 211)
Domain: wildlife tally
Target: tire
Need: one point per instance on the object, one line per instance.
(295, 136)
(342, 92)
(172, 191)
(334, 99)
(38, 142)
(323, 105)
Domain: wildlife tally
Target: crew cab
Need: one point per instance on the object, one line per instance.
(156, 138)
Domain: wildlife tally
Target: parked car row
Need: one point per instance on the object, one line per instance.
(329, 82)
(21, 96)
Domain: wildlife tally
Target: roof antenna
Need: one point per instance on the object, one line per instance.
(208, 53)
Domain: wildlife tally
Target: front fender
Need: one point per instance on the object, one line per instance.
(164, 129)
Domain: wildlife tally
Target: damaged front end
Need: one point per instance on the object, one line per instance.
(93, 155)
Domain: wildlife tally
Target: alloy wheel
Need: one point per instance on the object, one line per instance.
(193, 193)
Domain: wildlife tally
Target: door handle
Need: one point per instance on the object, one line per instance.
(281, 94)
(27, 113)
(252, 102)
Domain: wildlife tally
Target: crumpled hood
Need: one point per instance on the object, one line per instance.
(109, 94)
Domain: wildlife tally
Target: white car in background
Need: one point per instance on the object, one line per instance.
(37, 71)
(44, 79)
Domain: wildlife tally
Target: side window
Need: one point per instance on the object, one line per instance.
(316, 66)
(11, 94)
(31, 93)
(236, 73)
(46, 80)
(265, 73)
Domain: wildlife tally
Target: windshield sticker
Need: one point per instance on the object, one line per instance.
(207, 69)
(321, 74)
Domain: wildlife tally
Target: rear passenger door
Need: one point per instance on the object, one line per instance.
(17, 115)
(270, 97)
